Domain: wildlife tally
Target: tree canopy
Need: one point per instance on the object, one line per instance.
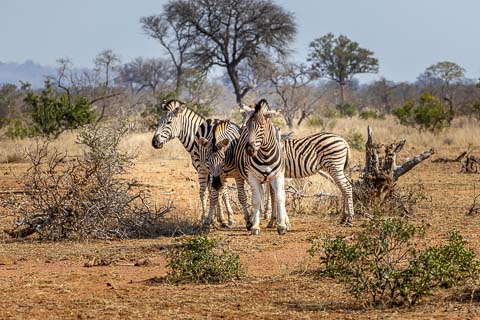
(339, 59)
(227, 33)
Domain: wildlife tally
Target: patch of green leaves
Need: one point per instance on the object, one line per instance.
(199, 259)
(384, 265)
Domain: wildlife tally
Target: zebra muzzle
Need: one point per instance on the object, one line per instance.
(156, 143)
(250, 150)
(216, 182)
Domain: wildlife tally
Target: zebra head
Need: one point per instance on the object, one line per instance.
(216, 148)
(169, 125)
(255, 125)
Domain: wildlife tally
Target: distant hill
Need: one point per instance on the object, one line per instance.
(28, 71)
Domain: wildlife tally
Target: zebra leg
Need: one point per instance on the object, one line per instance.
(347, 193)
(267, 206)
(273, 216)
(203, 181)
(278, 185)
(226, 201)
(242, 198)
(256, 189)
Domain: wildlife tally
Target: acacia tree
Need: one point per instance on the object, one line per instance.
(339, 59)
(175, 37)
(292, 85)
(445, 76)
(227, 33)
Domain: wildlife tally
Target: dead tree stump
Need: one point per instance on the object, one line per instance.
(381, 170)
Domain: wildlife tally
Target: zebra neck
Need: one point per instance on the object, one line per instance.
(190, 123)
(269, 142)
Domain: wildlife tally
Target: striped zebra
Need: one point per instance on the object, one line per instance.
(183, 123)
(319, 153)
(217, 151)
(260, 160)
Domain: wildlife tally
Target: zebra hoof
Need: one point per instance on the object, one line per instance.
(231, 223)
(255, 232)
(271, 224)
(224, 225)
(281, 230)
(206, 228)
(249, 226)
(346, 223)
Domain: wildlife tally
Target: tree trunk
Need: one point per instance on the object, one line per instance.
(302, 118)
(381, 171)
(178, 82)
(232, 73)
(342, 93)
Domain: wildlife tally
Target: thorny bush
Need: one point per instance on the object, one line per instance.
(84, 196)
(384, 265)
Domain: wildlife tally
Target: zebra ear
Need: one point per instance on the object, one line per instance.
(262, 106)
(181, 108)
(223, 143)
(203, 141)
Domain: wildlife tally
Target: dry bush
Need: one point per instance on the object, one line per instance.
(84, 196)
(307, 196)
(401, 202)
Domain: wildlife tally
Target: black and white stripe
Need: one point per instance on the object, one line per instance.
(260, 160)
(325, 152)
(183, 123)
(217, 150)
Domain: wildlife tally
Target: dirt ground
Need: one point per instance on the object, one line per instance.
(43, 280)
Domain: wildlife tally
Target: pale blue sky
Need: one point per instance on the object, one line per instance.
(407, 36)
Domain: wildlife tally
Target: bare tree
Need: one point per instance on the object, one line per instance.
(381, 92)
(292, 85)
(227, 33)
(175, 37)
(147, 74)
(97, 85)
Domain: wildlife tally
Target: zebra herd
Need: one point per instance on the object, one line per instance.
(255, 153)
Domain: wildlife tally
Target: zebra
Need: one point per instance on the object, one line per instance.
(182, 123)
(217, 151)
(319, 153)
(260, 160)
(324, 153)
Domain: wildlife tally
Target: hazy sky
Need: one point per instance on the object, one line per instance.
(407, 36)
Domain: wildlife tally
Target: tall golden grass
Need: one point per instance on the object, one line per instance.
(463, 134)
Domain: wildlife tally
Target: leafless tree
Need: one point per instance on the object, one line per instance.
(293, 86)
(227, 33)
(147, 74)
(97, 85)
(176, 39)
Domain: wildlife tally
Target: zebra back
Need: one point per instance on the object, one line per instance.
(322, 151)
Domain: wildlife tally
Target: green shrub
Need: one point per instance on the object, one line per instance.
(315, 121)
(19, 130)
(429, 114)
(371, 114)
(198, 259)
(355, 140)
(52, 114)
(383, 265)
(346, 109)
